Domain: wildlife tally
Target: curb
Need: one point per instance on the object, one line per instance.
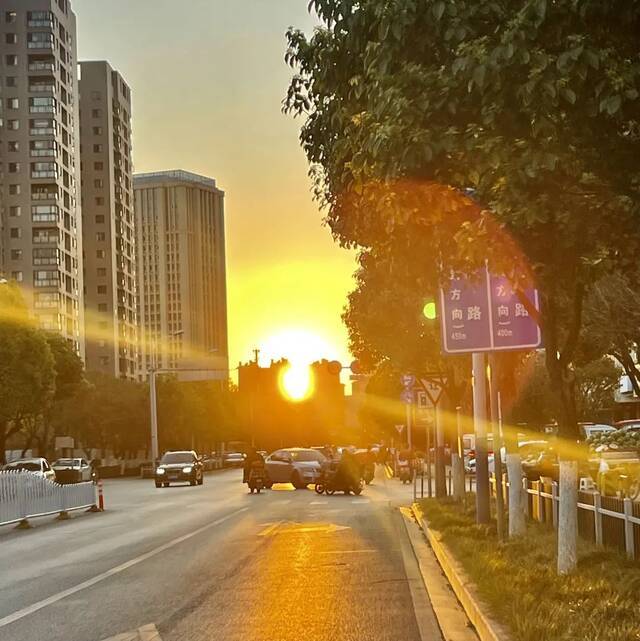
(486, 628)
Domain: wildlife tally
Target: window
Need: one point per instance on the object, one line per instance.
(13, 103)
(44, 236)
(102, 307)
(98, 183)
(45, 256)
(16, 254)
(17, 276)
(96, 113)
(99, 201)
(48, 278)
(40, 40)
(101, 253)
(13, 145)
(102, 289)
(44, 213)
(100, 218)
(15, 232)
(46, 300)
(11, 60)
(14, 190)
(42, 126)
(97, 131)
(11, 38)
(97, 149)
(15, 211)
(101, 236)
(10, 16)
(14, 167)
(102, 272)
(98, 166)
(13, 125)
(42, 105)
(11, 81)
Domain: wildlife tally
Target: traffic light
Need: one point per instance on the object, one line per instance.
(430, 310)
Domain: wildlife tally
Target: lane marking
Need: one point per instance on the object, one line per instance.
(145, 633)
(284, 502)
(319, 503)
(361, 501)
(363, 551)
(39, 605)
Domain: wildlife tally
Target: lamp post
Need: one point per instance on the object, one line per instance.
(153, 399)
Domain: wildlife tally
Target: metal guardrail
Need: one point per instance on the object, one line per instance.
(24, 495)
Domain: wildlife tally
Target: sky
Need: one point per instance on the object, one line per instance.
(207, 80)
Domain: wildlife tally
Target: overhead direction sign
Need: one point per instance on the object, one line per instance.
(485, 314)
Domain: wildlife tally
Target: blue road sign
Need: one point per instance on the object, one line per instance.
(484, 314)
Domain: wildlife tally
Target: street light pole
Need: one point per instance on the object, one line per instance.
(154, 417)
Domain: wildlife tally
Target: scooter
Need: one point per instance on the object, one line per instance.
(330, 483)
(256, 480)
(368, 473)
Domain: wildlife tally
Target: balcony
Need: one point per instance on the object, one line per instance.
(42, 66)
(43, 131)
(43, 153)
(44, 174)
(42, 88)
(40, 44)
(42, 109)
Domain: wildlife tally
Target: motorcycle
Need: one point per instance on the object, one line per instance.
(331, 482)
(256, 481)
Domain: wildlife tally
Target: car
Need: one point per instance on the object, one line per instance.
(72, 470)
(179, 467)
(233, 459)
(296, 465)
(39, 466)
(632, 425)
(587, 430)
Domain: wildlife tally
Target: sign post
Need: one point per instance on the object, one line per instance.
(434, 388)
(408, 382)
(482, 315)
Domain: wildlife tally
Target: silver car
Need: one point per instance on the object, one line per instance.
(295, 465)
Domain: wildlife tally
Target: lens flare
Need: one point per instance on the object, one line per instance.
(296, 382)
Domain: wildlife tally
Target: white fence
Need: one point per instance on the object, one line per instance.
(25, 495)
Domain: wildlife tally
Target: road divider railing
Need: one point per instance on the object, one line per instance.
(25, 495)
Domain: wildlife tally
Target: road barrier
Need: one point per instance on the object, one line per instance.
(24, 495)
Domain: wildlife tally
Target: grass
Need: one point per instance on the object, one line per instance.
(517, 581)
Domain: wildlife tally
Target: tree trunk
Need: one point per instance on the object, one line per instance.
(517, 522)
(3, 442)
(568, 517)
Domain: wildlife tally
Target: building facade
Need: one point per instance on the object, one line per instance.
(109, 239)
(42, 224)
(182, 302)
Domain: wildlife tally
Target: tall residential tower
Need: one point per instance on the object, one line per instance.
(108, 222)
(182, 303)
(42, 226)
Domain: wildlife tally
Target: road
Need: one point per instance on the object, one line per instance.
(215, 563)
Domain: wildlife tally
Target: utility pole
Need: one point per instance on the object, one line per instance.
(256, 354)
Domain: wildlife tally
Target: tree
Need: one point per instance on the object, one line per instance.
(532, 104)
(27, 376)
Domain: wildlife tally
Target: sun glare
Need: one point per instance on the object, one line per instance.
(296, 382)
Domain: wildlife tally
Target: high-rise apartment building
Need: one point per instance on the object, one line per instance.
(182, 306)
(109, 240)
(42, 227)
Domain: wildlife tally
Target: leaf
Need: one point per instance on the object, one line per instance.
(438, 10)
(479, 75)
(569, 95)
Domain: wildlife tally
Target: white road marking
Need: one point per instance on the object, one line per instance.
(319, 503)
(363, 551)
(145, 633)
(21, 614)
(284, 502)
(361, 501)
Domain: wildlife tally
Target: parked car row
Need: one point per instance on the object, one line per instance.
(63, 471)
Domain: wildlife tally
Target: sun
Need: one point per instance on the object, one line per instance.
(296, 382)
(300, 347)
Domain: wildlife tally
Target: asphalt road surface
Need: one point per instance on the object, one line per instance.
(214, 563)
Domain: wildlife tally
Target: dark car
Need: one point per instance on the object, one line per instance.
(179, 467)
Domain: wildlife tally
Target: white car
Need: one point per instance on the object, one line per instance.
(296, 465)
(72, 470)
(39, 466)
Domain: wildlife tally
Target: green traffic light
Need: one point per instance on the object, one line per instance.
(430, 311)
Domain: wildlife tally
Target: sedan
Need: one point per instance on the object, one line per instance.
(179, 467)
(38, 466)
(632, 425)
(298, 466)
(72, 470)
(233, 459)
